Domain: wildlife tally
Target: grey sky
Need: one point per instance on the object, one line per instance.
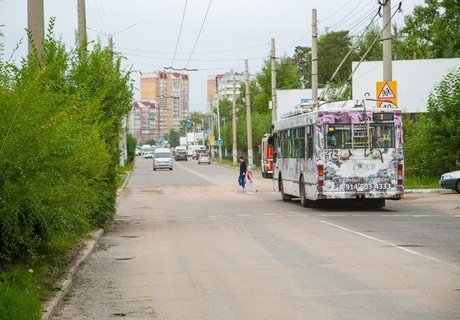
(233, 31)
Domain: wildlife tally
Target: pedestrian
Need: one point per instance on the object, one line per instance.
(242, 176)
(249, 179)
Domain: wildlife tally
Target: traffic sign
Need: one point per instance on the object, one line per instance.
(220, 142)
(387, 94)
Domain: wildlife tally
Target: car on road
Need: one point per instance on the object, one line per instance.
(162, 159)
(451, 180)
(204, 158)
(197, 153)
(148, 154)
(181, 155)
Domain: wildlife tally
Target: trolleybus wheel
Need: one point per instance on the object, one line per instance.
(284, 196)
(303, 200)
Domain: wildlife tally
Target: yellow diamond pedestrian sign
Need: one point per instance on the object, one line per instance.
(386, 92)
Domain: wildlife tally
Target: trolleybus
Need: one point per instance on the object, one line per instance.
(339, 150)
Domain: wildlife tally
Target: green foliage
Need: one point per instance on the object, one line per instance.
(18, 296)
(174, 138)
(59, 127)
(432, 31)
(432, 143)
(302, 59)
(131, 143)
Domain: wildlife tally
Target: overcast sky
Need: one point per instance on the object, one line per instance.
(146, 32)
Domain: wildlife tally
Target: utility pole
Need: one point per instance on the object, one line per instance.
(81, 25)
(387, 68)
(314, 57)
(218, 132)
(273, 68)
(36, 27)
(234, 151)
(111, 43)
(248, 114)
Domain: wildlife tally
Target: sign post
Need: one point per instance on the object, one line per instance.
(386, 92)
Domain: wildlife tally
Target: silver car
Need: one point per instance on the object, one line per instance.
(451, 180)
(162, 159)
(204, 158)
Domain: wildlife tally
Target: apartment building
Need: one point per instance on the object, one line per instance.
(220, 87)
(169, 92)
(142, 121)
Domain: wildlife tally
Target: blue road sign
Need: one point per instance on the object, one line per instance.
(220, 142)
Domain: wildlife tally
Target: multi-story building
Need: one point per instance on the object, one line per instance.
(220, 87)
(142, 121)
(170, 94)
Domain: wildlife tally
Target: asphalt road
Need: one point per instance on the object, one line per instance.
(188, 244)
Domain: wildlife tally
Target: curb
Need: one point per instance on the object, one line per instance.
(51, 305)
(68, 282)
(428, 191)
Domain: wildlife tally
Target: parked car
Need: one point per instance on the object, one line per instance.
(451, 180)
(204, 158)
(162, 159)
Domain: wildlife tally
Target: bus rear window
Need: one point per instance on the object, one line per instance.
(355, 136)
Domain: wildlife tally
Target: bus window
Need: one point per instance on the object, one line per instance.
(382, 136)
(338, 137)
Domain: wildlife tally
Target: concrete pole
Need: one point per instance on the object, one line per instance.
(387, 68)
(81, 25)
(218, 132)
(248, 114)
(234, 149)
(36, 26)
(314, 57)
(273, 69)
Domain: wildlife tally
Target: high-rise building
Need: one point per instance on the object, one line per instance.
(142, 121)
(220, 87)
(170, 94)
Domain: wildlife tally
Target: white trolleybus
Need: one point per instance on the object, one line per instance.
(339, 150)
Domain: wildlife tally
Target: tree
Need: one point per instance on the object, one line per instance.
(332, 48)
(174, 138)
(433, 147)
(302, 59)
(367, 42)
(432, 31)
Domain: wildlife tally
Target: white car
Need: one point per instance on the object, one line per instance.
(148, 154)
(204, 158)
(451, 180)
(162, 159)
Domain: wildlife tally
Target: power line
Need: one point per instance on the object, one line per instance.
(180, 32)
(199, 34)
(198, 53)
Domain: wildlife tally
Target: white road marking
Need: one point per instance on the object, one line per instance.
(389, 244)
(242, 215)
(216, 216)
(192, 217)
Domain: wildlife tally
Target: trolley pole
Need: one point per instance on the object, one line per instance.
(234, 150)
(248, 114)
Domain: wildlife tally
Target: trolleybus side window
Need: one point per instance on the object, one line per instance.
(309, 141)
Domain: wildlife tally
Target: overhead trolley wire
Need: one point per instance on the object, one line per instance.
(199, 34)
(180, 32)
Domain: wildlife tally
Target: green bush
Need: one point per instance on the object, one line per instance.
(59, 148)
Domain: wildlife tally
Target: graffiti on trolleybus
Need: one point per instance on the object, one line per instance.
(339, 150)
